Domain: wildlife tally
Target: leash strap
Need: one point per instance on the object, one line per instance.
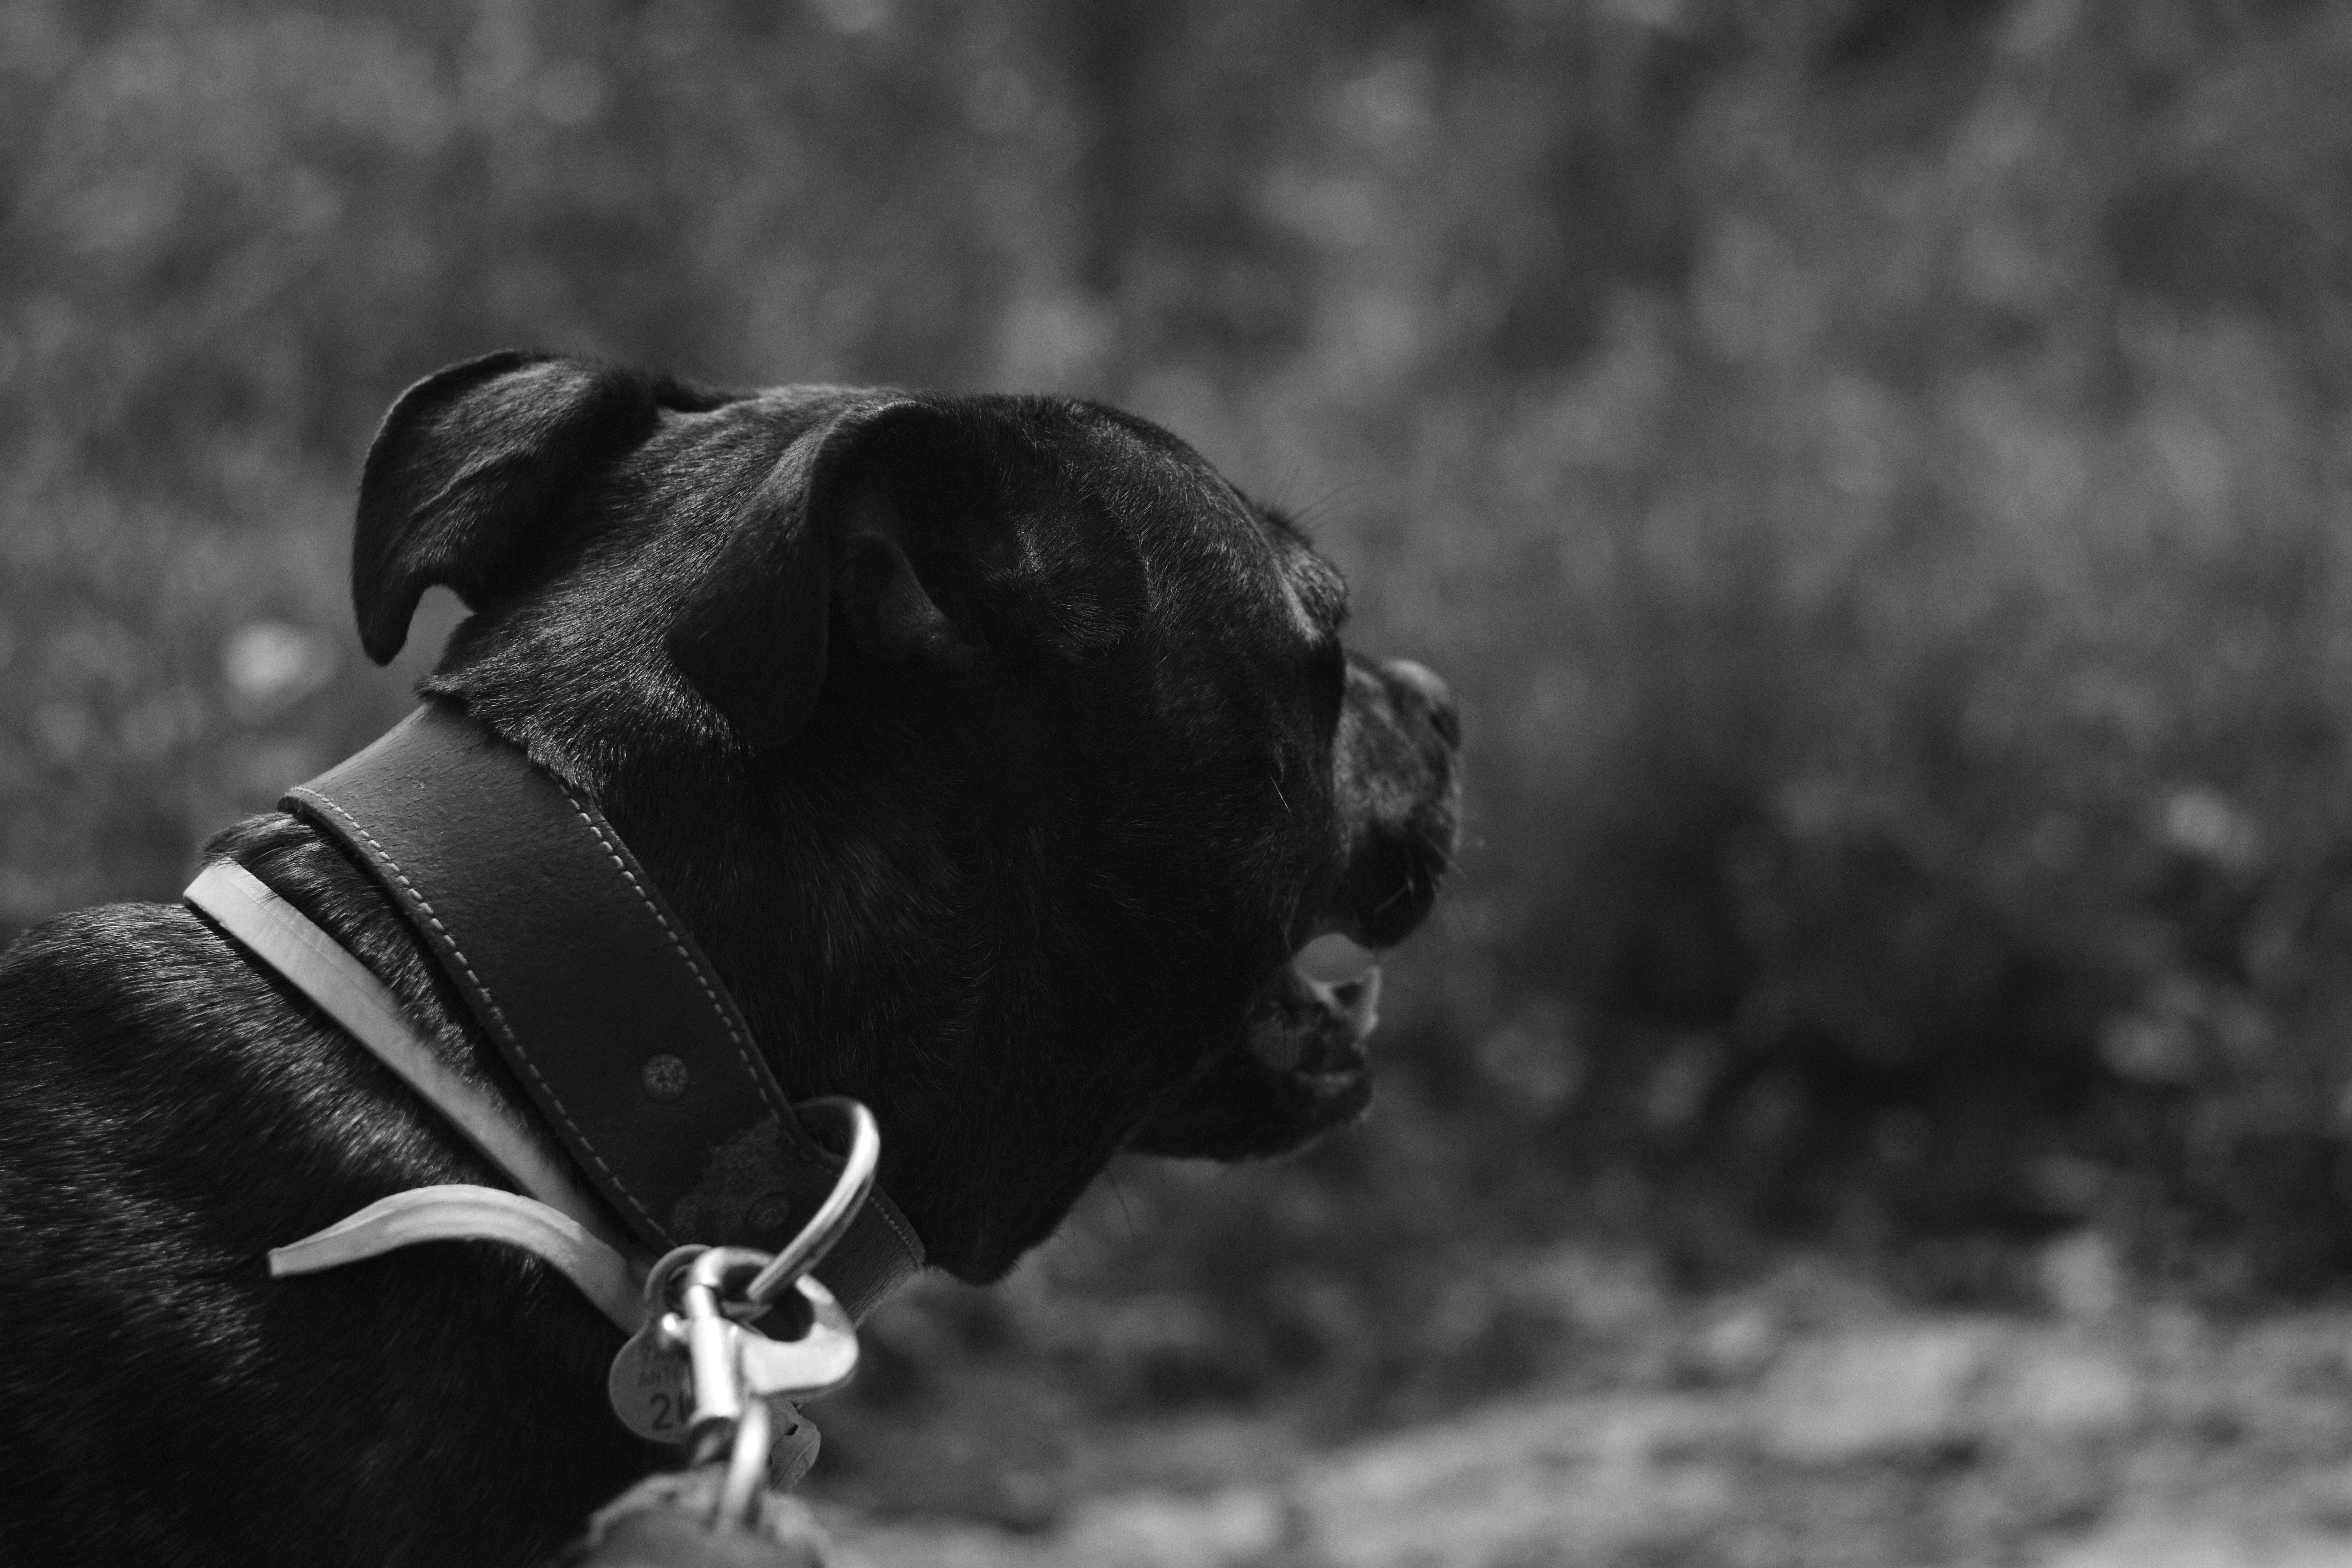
(596, 995)
(614, 1282)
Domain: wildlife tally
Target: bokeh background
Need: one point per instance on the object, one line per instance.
(1875, 472)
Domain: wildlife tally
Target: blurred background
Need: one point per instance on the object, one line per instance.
(1875, 472)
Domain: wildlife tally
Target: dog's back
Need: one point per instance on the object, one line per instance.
(173, 1114)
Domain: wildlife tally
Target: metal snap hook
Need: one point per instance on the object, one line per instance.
(746, 1469)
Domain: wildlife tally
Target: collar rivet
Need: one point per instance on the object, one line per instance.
(664, 1078)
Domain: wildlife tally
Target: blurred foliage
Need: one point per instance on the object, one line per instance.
(1875, 470)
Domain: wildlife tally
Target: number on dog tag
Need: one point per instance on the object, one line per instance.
(651, 1384)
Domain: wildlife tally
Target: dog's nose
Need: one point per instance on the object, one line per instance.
(1436, 699)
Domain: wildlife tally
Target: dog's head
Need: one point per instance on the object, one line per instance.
(999, 751)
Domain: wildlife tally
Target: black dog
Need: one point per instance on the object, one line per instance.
(999, 752)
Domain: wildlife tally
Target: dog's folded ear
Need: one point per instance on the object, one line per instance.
(900, 519)
(466, 463)
(963, 537)
(752, 635)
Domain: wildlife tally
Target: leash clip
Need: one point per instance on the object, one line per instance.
(700, 1370)
(713, 1351)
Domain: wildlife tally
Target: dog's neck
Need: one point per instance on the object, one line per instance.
(524, 903)
(896, 912)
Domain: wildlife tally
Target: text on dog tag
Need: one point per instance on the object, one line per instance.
(651, 1385)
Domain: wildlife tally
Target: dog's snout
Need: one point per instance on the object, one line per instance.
(1431, 694)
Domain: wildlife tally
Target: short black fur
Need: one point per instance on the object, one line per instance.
(997, 752)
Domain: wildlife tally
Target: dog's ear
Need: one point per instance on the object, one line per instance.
(958, 547)
(896, 518)
(467, 462)
(751, 636)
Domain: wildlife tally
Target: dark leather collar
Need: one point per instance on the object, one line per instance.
(597, 995)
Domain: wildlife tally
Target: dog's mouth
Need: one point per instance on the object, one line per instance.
(1297, 1069)
(1310, 1021)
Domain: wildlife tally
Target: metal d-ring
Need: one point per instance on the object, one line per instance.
(805, 1251)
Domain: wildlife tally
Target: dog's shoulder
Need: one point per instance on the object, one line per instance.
(202, 1076)
(92, 982)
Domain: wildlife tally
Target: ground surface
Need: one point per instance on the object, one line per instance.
(1804, 1421)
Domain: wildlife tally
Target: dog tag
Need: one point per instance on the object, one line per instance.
(651, 1390)
(651, 1384)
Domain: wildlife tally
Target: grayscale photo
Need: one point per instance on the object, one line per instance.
(1176, 783)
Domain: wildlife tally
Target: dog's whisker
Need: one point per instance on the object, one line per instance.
(1119, 1192)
